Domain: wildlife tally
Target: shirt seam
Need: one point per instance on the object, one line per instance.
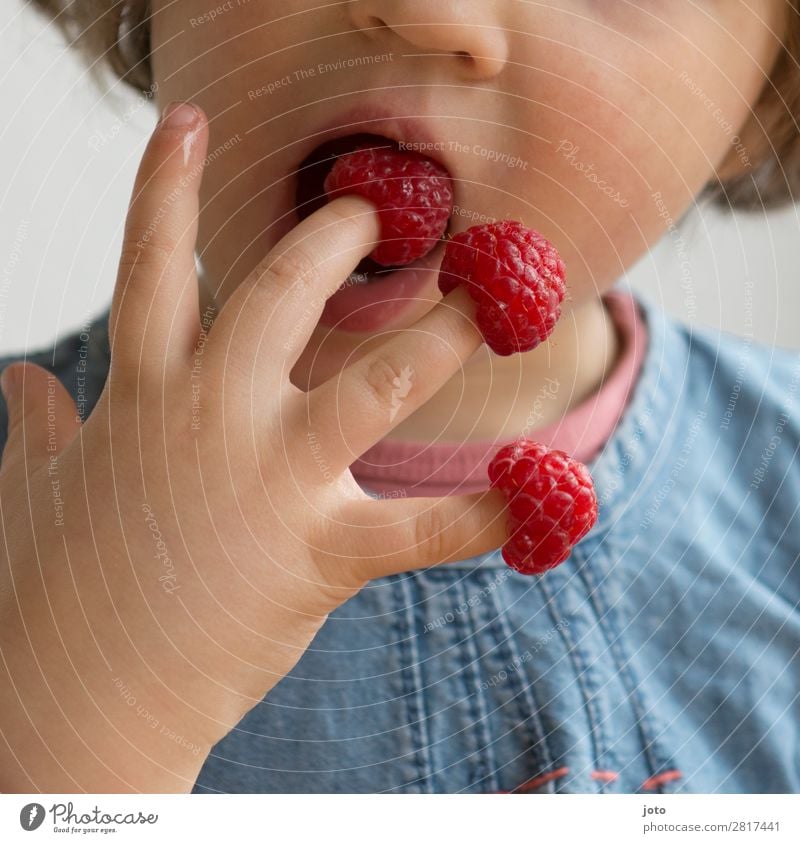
(484, 768)
(540, 750)
(411, 674)
(603, 756)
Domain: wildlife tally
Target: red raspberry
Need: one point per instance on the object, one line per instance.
(552, 504)
(413, 195)
(515, 275)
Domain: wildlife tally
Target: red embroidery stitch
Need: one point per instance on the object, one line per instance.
(662, 778)
(538, 781)
(605, 775)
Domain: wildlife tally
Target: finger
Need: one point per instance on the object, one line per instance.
(155, 306)
(393, 536)
(42, 417)
(266, 323)
(355, 409)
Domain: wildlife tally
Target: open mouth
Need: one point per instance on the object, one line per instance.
(310, 191)
(374, 296)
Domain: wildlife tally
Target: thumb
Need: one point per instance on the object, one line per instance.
(42, 417)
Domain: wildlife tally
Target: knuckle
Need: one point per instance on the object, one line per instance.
(387, 380)
(147, 248)
(292, 273)
(429, 534)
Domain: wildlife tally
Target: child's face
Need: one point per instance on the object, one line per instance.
(568, 114)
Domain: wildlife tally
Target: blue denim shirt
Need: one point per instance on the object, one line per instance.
(661, 657)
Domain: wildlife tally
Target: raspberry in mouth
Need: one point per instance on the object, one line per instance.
(412, 193)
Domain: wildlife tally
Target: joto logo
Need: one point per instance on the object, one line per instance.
(31, 816)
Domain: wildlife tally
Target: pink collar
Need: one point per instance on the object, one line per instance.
(405, 468)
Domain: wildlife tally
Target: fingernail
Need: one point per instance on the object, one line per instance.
(178, 115)
(8, 379)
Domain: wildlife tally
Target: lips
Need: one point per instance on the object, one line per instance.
(374, 296)
(310, 192)
(368, 307)
(376, 123)
(412, 193)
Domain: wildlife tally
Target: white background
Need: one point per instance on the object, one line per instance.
(69, 156)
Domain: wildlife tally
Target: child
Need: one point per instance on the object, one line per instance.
(249, 539)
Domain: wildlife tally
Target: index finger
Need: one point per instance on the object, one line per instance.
(265, 324)
(156, 297)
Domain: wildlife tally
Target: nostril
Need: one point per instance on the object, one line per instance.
(374, 22)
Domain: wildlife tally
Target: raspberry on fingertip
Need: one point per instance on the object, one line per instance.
(551, 500)
(515, 276)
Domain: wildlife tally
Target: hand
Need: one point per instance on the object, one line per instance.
(200, 546)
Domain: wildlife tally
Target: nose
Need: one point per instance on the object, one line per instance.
(467, 32)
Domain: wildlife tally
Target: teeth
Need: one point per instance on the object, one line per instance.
(354, 279)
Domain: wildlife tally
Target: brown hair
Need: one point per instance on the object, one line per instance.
(761, 170)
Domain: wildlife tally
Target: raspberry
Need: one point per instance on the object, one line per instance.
(515, 275)
(551, 501)
(413, 195)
